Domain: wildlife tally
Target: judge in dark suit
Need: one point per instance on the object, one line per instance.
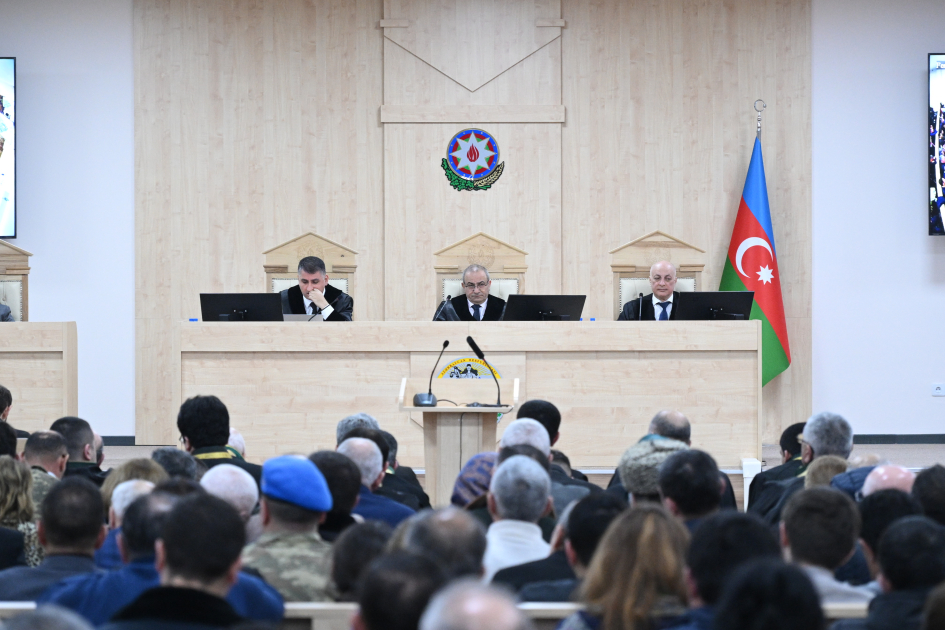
(313, 295)
(476, 304)
(659, 304)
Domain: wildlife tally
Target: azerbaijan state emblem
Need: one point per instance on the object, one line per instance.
(472, 160)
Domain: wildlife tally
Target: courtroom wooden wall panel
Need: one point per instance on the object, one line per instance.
(35, 380)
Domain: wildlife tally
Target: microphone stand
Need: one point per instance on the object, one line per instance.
(640, 316)
(482, 357)
(428, 399)
(439, 309)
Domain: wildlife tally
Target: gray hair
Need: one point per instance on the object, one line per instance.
(234, 485)
(475, 267)
(47, 617)
(128, 491)
(521, 488)
(453, 536)
(470, 605)
(312, 264)
(829, 434)
(237, 441)
(526, 431)
(176, 462)
(671, 424)
(366, 455)
(358, 420)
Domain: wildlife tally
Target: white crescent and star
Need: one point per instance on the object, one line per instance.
(482, 146)
(765, 274)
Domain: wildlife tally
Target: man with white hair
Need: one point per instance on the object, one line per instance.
(108, 556)
(238, 488)
(367, 457)
(519, 495)
(358, 420)
(469, 605)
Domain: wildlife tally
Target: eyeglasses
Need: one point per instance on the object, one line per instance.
(470, 285)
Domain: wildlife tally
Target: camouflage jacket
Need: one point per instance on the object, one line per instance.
(42, 482)
(298, 565)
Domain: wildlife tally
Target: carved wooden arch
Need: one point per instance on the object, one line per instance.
(282, 261)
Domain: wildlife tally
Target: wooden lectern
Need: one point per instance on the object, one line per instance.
(454, 433)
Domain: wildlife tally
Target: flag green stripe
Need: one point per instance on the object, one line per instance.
(773, 357)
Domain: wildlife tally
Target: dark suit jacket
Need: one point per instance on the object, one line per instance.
(342, 303)
(400, 484)
(789, 469)
(554, 567)
(631, 310)
(12, 550)
(89, 470)
(211, 456)
(495, 309)
(25, 584)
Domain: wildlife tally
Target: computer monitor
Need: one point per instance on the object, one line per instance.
(241, 307)
(704, 305)
(536, 308)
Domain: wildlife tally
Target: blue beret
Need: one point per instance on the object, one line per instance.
(297, 481)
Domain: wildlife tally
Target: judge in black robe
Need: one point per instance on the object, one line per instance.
(476, 285)
(663, 283)
(342, 304)
(631, 310)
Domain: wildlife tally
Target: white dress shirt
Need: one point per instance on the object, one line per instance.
(310, 308)
(482, 308)
(509, 543)
(658, 310)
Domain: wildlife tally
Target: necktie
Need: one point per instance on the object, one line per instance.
(665, 314)
(476, 312)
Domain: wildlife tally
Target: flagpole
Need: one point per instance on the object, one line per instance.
(763, 106)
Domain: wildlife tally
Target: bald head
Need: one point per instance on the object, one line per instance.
(234, 485)
(672, 424)
(888, 478)
(663, 279)
(469, 605)
(367, 457)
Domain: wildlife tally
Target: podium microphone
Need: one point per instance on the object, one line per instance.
(428, 399)
(482, 357)
(640, 316)
(440, 308)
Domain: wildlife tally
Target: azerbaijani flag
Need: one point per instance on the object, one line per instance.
(752, 265)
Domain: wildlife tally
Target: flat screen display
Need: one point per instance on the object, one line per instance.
(7, 147)
(936, 141)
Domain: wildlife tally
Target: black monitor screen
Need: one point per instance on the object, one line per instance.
(241, 307)
(535, 308)
(705, 305)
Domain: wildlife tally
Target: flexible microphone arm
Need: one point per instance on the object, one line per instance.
(439, 309)
(640, 316)
(482, 357)
(428, 399)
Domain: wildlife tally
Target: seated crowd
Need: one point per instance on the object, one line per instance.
(200, 537)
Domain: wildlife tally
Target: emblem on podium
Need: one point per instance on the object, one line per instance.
(472, 160)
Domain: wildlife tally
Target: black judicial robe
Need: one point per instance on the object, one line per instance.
(631, 310)
(342, 303)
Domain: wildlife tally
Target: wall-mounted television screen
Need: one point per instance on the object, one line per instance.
(936, 141)
(7, 147)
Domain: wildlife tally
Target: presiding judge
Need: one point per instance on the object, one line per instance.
(659, 304)
(313, 295)
(476, 304)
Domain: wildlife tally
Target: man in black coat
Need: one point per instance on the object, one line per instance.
(475, 304)
(658, 305)
(314, 296)
(789, 468)
(204, 425)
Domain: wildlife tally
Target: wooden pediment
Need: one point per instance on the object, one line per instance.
(13, 260)
(640, 253)
(481, 249)
(285, 257)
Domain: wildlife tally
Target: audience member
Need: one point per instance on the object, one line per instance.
(7, 440)
(823, 469)
(47, 617)
(824, 434)
(47, 455)
(405, 483)
(769, 595)
(290, 554)
(80, 441)
(636, 577)
(473, 479)
(352, 552)
(344, 482)
(451, 535)
(395, 590)
(720, 545)
(99, 596)
(690, 486)
(108, 556)
(410, 497)
(929, 489)
(238, 488)
(198, 559)
(367, 457)
(12, 548)
(6, 404)
(204, 425)
(236, 444)
(141, 468)
(99, 444)
(70, 530)
(933, 617)
(469, 605)
(16, 506)
(175, 462)
(519, 494)
(820, 529)
(877, 512)
(789, 467)
(355, 421)
(586, 525)
(639, 467)
(911, 563)
(888, 477)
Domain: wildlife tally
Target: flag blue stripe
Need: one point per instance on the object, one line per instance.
(756, 193)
